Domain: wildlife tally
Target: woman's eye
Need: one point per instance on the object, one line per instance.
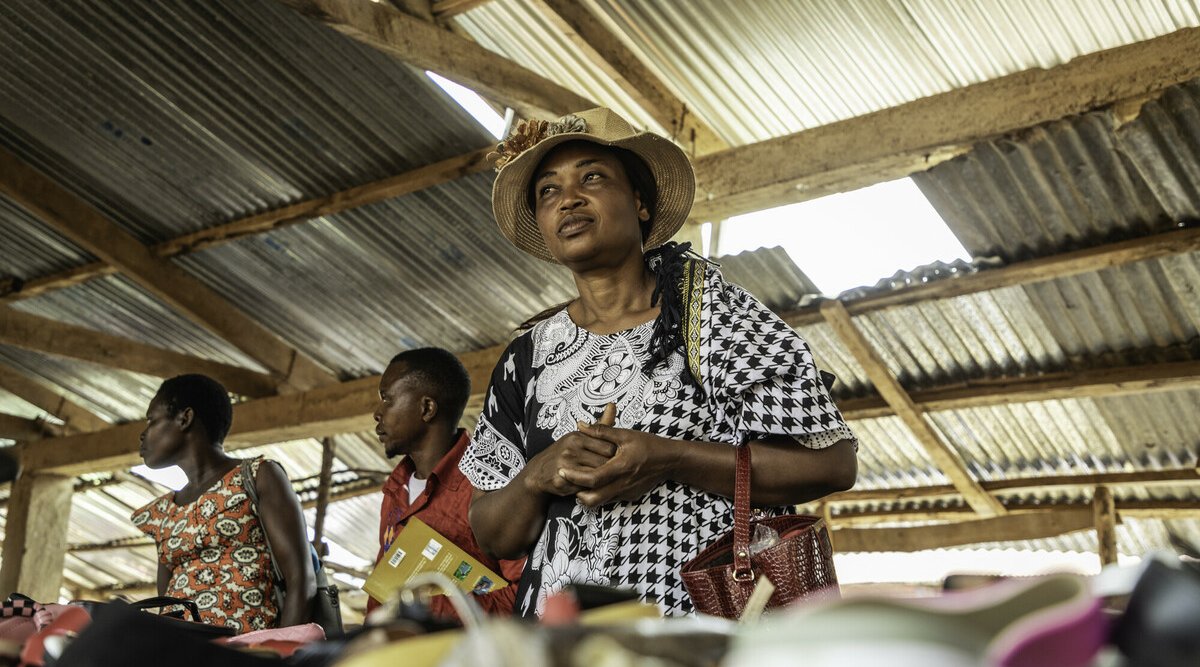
(591, 176)
(545, 190)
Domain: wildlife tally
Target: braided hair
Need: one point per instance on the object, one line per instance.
(667, 263)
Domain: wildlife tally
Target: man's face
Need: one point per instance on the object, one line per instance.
(585, 206)
(398, 417)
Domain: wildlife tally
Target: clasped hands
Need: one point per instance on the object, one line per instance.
(600, 463)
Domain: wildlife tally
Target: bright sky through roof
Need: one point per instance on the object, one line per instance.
(171, 477)
(473, 104)
(850, 239)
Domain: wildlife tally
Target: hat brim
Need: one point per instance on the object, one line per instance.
(670, 167)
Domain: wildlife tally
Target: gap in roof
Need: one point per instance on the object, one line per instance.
(171, 477)
(850, 239)
(473, 104)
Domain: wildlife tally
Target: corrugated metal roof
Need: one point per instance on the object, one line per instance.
(116, 305)
(770, 68)
(116, 395)
(519, 32)
(353, 289)
(770, 275)
(30, 248)
(192, 114)
(14, 405)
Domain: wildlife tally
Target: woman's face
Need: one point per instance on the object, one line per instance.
(585, 207)
(162, 438)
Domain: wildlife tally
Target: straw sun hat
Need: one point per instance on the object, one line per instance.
(518, 156)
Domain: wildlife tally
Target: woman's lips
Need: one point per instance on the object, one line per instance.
(573, 224)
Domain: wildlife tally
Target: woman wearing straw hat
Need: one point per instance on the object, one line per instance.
(604, 448)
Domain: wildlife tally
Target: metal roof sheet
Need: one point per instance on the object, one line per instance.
(116, 305)
(30, 248)
(115, 395)
(352, 290)
(192, 114)
(763, 69)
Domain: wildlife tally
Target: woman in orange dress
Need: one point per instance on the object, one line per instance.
(212, 544)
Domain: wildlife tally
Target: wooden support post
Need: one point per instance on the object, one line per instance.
(1104, 516)
(328, 449)
(35, 536)
(942, 454)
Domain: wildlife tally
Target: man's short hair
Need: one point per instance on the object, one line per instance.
(441, 374)
(207, 398)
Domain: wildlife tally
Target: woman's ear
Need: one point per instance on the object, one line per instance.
(185, 418)
(643, 212)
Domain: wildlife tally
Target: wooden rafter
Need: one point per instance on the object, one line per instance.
(1141, 479)
(47, 336)
(429, 47)
(895, 142)
(1052, 267)
(23, 429)
(1128, 509)
(939, 451)
(75, 417)
(605, 50)
(446, 9)
(347, 408)
(1098, 383)
(1016, 527)
(93, 231)
(326, 410)
(260, 223)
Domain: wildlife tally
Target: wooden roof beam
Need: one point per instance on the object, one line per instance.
(898, 141)
(326, 410)
(1130, 509)
(1029, 272)
(447, 9)
(94, 232)
(23, 429)
(1097, 383)
(1140, 478)
(604, 49)
(347, 407)
(428, 176)
(939, 451)
(429, 47)
(1012, 528)
(75, 417)
(46, 336)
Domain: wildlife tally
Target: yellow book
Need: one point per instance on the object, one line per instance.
(419, 548)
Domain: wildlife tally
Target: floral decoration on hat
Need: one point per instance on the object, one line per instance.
(529, 133)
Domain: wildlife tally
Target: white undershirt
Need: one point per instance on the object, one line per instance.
(415, 487)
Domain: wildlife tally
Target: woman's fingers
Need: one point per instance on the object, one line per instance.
(609, 418)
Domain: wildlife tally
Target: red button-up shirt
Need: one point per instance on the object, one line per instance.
(443, 506)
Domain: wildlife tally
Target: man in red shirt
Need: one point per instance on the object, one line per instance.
(422, 395)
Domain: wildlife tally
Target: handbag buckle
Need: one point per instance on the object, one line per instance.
(743, 575)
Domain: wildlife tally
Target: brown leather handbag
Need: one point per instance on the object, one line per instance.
(721, 578)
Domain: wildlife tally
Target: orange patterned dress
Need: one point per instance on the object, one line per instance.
(216, 552)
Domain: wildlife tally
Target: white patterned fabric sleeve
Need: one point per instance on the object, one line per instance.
(764, 379)
(497, 450)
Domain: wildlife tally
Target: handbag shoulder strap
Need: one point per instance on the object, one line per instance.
(742, 570)
(250, 485)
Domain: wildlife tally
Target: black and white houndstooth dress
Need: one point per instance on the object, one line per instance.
(759, 379)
